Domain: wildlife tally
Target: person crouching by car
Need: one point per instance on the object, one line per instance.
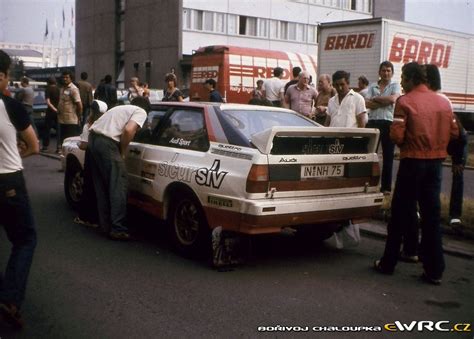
(88, 203)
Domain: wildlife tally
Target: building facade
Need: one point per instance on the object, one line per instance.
(40, 55)
(149, 38)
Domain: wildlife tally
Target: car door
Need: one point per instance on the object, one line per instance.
(177, 151)
(136, 171)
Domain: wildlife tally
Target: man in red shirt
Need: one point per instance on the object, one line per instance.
(422, 126)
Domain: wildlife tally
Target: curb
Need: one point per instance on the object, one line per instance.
(450, 246)
(50, 155)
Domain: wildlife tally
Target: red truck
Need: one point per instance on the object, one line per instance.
(237, 69)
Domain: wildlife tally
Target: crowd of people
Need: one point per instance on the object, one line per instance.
(420, 122)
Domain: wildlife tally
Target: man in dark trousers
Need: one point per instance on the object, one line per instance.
(106, 92)
(422, 126)
(109, 138)
(16, 215)
(214, 95)
(85, 91)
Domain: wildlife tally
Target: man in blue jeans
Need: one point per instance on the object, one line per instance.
(16, 215)
(381, 102)
(423, 124)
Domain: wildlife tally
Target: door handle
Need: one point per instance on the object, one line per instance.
(134, 151)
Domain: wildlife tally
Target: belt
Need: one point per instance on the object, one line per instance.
(94, 133)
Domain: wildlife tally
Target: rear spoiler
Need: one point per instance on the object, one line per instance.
(264, 140)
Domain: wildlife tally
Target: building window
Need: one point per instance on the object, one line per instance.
(232, 24)
(300, 32)
(262, 27)
(312, 34)
(197, 20)
(186, 18)
(273, 29)
(291, 31)
(353, 5)
(208, 21)
(247, 25)
(220, 22)
(283, 30)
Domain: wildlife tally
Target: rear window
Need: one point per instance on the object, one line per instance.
(39, 98)
(249, 122)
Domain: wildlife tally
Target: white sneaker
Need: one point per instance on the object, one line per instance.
(455, 222)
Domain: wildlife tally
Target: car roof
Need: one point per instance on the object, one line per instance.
(222, 106)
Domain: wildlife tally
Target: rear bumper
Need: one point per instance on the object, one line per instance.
(270, 216)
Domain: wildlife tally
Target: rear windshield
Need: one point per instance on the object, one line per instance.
(249, 122)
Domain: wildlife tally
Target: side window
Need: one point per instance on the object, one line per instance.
(144, 134)
(184, 129)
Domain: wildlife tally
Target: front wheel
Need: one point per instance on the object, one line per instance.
(188, 225)
(73, 185)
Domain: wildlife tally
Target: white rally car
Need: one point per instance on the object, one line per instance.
(248, 169)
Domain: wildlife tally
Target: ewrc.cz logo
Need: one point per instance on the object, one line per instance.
(431, 326)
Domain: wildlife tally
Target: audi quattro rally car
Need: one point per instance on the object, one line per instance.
(249, 169)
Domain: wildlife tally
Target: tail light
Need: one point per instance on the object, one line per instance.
(376, 169)
(374, 180)
(257, 180)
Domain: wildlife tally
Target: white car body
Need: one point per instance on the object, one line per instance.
(225, 178)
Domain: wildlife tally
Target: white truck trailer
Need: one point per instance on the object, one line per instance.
(359, 46)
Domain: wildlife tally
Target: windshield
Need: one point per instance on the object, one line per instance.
(249, 122)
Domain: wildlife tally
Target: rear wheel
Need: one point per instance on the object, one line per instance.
(73, 184)
(188, 224)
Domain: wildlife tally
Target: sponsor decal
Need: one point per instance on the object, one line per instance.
(221, 202)
(336, 148)
(180, 142)
(210, 177)
(176, 171)
(349, 41)
(231, 147)
(407, 48)
(201, 74)
(288, 160)
(231, 154)
(203, 176)
(355, 157)
(148, 171)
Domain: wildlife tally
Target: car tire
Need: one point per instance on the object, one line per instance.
(188, 226)
(73, 184)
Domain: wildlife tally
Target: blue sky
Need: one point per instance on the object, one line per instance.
(25, 20)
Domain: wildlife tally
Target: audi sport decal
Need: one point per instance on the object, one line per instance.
(180, 142)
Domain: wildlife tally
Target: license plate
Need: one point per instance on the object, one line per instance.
(322, 171)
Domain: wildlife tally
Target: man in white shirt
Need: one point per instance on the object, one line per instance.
(109, 138)
(273, 89)
(346, 108)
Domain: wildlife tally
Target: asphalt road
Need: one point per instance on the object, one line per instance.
(83, 285)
